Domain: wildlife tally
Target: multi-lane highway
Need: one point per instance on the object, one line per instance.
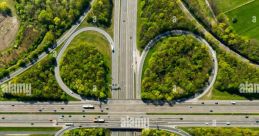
(125, 41)
(127, 107)
(124, 59)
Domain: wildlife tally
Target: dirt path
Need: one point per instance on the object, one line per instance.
(8, 29)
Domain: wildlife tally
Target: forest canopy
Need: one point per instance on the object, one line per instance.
(84, 70)
(176, 67)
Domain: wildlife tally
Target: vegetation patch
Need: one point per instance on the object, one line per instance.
(244, 21)
(155, 132)
(220, 131)
(158, 16)
(229, 81)
(220, 6)
(85, 71)
(201, 11)
(179, 67)
(37, 18)
(4, 9)
(101, 13)
(88, 132)
(43, 84)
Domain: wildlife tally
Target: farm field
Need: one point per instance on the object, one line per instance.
(245, 25)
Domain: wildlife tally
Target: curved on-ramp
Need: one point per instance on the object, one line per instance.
(63, 86)
(169, 129)
(175, 33)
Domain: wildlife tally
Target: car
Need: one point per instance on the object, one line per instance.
(69, 124)
(202, 102)
(3, 117)
(206, 123)
(216, 103)
(211, 110)
(61, 117)
(227, 123)
(233, 103)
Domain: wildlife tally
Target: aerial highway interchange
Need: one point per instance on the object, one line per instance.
(125, 101)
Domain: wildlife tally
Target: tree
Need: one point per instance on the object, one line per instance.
(4, 9)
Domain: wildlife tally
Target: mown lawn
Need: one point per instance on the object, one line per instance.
(244, 15)
(225, 5)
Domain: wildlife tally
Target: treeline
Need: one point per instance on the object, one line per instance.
(224, 31)
(43, 83)
(84, 71)
(201, 10)
(158, 16)
(155, 132)
(41, 23)
(217, 131)
(4, 9)
(244, 46)
(88, 132)
(233, 72)
(178, 67)
(101, 13)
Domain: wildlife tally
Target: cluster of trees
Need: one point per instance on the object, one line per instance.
(223, 131)
(101, 13)
(43, 84)
(158, 16)
(201, 10)
(155, 132)
(4, 9)
(83, 69)
(40, 20)
(233, 72)
(88, 132)
(178, 67)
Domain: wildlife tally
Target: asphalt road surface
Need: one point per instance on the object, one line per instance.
(125, 41)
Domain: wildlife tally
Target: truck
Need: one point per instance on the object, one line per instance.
(88, 106)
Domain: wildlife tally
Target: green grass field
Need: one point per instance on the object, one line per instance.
(225, 5)
(244, 15)
(218, 95)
